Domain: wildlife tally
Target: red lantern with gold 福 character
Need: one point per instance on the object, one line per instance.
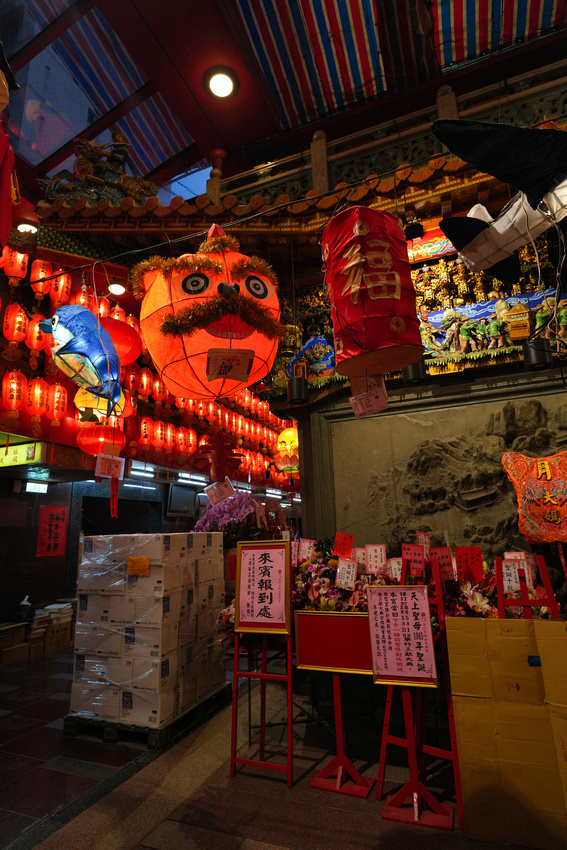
(14, 328)
(14, 390)
(210, 319)
(36, 403)
(371, 292)
(40, 269)
(56, 403)
(100, 438)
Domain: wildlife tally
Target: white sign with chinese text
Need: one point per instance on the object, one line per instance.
(262, 588)
(220, 491)
(346, 574)
(226, 363)
(395, 568)
(401, 636)
(376, 560)
(368, 403)
(109, 466)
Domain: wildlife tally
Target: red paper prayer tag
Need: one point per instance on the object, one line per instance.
(442, 555)
(343, 545)
(469, 563)
(413, 553)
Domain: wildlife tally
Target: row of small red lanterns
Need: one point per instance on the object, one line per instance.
(36, 396)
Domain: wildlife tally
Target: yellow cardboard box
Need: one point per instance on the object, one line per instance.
(495, 659)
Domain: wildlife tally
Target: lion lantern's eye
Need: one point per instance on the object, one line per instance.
(195, 283)
(256, 287)
(54, 321)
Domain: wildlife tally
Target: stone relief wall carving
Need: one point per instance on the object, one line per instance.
(451, 482)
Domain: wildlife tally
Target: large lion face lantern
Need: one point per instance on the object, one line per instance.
(210, 320)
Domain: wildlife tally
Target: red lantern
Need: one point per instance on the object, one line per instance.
(15, 328)
(159, 391)
(14, 393)
(56, 403)
(222, 311)
(191, 406)
(210, 412)
(169, 442)
(35, 338)
(83, 297)
(60, 289)
(371, 292)
(102, 307)
(186, 440)
(15, 265)
(130, 405)
(134, 323)
(40, 270)
(36, 402)
(99, 438)
(158, 436)
(132, 432)
(146, 434)
(126, 340)
(118, 314)
(132, 378)
(146, 383)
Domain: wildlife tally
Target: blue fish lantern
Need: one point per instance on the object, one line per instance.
(84, 351)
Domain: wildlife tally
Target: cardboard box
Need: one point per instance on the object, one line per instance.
(211, 595)
(99, 571)
(158, 610)
(149, 642)
(96, 702)
(187, 630)
(187, 692)
(197, 544)
(210, 569)
(92, 670)
(107, 610)
(496, 659)
(98, 639)
(551, 637)
(512, 792)
(58, 636)
(188, 572)
(12, 634)
(210, 669)
(206, 625)
(163, 579)
(17, 654)
(156, 676)
(148, 709)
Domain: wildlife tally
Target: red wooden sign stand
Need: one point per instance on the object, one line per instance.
(524, 600)
(415, 791)
(340, 774)
(264, 677)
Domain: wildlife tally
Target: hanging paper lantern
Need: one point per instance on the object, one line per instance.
(288, 451)
(132, 433)
(84, 351)
(126, 340)
(102, 307)
(169, 441)
(96, 405)
(99, 438)
(118, 314)
(210, 412)
(146, 434)
(211, 319)
(132, 374)
(14, 328)
(146, 383)
(36, 403)
(134, 323)
(56, 403)
(60, 289)
(158, 436)
(159, 391)
(371, 292)
(36, 338)
(84, 297)
(15, 265)
(14, 394)
(186, 440)
(40, 269)
(130, 406)
(191, 407)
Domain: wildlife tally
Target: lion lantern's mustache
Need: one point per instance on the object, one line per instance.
(192, 319)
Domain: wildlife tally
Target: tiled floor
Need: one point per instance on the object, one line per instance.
(42, 772)
(72, 794)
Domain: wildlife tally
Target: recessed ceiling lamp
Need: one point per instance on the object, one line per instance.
(222, 82)
(116, 287)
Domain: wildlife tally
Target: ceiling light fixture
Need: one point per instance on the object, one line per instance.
(116, 287)
(222, 82)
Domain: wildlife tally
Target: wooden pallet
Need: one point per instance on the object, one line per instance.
(153, 739)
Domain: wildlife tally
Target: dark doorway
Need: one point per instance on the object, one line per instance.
(134, 517)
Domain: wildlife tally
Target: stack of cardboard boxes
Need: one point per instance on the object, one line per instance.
(509, 685)
(145, 639)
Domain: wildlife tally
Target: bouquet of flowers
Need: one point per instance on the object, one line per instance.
(235, 516)
(315, 584)
(225, 627)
